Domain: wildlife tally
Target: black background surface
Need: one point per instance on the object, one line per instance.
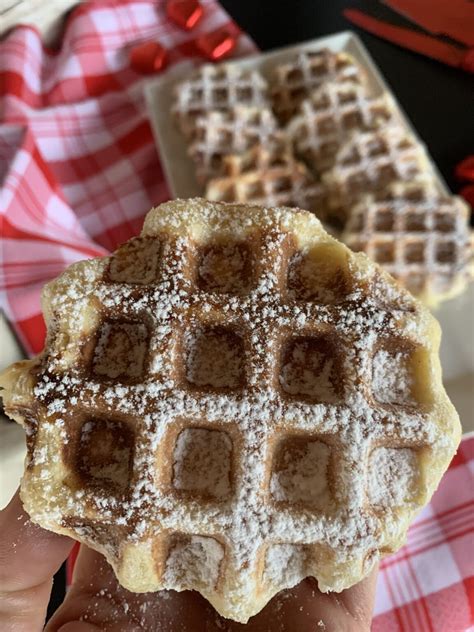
(438, 99)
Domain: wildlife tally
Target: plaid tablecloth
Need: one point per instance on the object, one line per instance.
(79, 170)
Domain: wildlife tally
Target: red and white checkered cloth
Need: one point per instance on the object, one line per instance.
(78, 166)
(79, 170)
(428, 585)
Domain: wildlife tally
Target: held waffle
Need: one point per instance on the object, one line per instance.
(216, 87)
(418, 235)
(294, 81)
(267, 178)
(325, 119)
(218, 134)
(232, 402)
(370, 161)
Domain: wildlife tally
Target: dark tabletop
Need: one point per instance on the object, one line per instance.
(438, 100)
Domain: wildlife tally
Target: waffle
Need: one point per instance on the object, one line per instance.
(233, 132)
(294, 81)
(369, 162)
(267, 178)
(232, 402)
(216, 87)
(418, 235)
(331, 112)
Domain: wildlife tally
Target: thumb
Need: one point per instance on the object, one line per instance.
(29, 557)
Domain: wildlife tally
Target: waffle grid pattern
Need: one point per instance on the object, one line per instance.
(331, 112)
(216, 88)
(218, 134)
(294, 81)
(263, 177)
(288, 340)
(370, 161)
(418, 236)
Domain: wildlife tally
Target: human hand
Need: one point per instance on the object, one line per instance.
(30, 555)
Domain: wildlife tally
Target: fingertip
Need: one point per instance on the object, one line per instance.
(14, 517)
(29, 554)
(29, 558)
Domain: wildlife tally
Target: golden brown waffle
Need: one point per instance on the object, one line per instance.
(325, 119)
(218, 134)
(231, 402)
(266, 178)
(216, 87)
(418, 235)
(294, 81)
(369, 162)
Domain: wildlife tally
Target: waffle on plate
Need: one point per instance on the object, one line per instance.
(216, 87)
(368, 162)
(294, 81)
(218, 134)
(325, 119)
(268, 178)
(420, 236)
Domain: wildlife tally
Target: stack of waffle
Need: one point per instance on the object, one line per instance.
(314, 136)
(240, 149)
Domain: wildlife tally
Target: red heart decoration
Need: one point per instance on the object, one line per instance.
(148, 57)
(217, 44)
(467, 193)
(465, 169)
(184, 13)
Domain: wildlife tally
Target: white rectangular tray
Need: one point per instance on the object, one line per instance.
(456, 317)
(179, 169)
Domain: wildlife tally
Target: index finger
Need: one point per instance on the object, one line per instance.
(29, 558)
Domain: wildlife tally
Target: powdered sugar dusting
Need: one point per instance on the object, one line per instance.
(285, 564)
(309, 371)
(392, 379)
(302, 475)
(105, 453)
(393, 475)
(319, 275)
(135, 262)
(201, 462)
(215, 358)
(225, 268)
(121, 350)
(193, 562)
(418, 235)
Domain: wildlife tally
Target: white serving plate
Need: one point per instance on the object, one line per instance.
(456, 316)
